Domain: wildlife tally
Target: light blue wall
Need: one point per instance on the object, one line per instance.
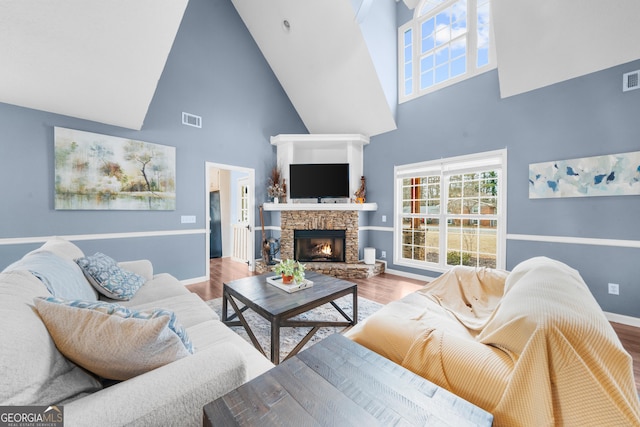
(586, 116)
(378, 27)
(214, 70)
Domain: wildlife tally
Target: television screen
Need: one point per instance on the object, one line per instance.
(319, 180)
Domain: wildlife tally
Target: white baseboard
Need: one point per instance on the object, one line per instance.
(409, 275)
(621, 318)
(193, 281)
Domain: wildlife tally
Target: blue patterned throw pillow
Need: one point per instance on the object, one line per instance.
(113, 341)
(109, 279)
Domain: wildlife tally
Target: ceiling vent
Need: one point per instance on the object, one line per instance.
(631, 81)
(191, 120)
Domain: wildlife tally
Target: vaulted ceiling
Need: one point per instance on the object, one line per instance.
(91, 59)
(101, 60)
(319, 53)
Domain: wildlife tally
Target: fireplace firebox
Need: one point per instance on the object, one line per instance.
(319, 245)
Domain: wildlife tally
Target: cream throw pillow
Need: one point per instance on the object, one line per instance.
(113, 341)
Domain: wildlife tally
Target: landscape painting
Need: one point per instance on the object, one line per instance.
(99, 172)
(609, 175)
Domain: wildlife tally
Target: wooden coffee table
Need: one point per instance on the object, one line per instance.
(337, 382)
(278, 306)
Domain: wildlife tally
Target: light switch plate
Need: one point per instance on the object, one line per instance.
(188, 219)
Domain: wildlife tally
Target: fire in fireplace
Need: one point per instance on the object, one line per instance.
(319, 245)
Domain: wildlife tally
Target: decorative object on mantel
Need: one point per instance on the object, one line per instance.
(362, 191)
(609, 175)
(277, 188)
(292, 271)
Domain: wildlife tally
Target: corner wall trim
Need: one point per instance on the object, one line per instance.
(576, 240)
(72, 237)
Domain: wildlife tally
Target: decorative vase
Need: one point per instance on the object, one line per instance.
(287, 280)
(276, 200)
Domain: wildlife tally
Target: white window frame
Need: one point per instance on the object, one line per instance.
(496, 160)
(415, 24)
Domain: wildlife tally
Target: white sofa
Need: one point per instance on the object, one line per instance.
(35, 372)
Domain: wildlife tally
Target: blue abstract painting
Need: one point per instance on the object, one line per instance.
(609, 175)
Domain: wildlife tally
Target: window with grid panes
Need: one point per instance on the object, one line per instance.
(450, 212)
(447, 41)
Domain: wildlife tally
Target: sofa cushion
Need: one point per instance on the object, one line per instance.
(162, 286)
(32, 369)
(62, 277)
(109, 279)
(61, 247)
(141, 267)
(215, 334)
(188, 308)
(113, 341)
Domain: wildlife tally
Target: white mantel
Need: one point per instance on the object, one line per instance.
(322, 148)
(320, 206)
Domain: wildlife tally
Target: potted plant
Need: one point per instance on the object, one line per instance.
(290, 270)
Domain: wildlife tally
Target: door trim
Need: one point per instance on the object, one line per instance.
(250, 216)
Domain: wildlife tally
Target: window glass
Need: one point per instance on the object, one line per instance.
(461, 48)
(468, 231)
(408, 62)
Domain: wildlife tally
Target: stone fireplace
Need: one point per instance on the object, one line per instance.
(336, 222)
(319, 245)
(344, 221)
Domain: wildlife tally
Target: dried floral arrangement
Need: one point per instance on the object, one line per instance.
(277, 186)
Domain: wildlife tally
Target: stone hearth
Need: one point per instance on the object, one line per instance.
(325, 219)
(320, 220)
(340, 270)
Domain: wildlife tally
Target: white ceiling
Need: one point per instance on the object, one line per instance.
(322, 62)
(101, 60)
(92, 59)
(543, 42)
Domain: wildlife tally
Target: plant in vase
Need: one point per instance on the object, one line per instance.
(290, 270)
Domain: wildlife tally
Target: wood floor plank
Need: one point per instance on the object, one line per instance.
(383, 289)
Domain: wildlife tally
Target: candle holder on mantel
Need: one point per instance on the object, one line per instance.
(361, 192)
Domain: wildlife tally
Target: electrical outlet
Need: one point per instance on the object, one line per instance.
(614, 289)
(384, 218)
(383, 254)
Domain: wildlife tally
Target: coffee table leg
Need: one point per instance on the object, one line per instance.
(275, 342)
(355, 306)
(224, 306)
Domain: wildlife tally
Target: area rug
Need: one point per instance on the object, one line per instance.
(290, 337)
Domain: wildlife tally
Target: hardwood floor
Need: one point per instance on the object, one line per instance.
(383, 288)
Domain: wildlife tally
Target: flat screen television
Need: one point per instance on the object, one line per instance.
(318, 180)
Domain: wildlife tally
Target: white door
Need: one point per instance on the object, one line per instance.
(239, 206)
(242, 230)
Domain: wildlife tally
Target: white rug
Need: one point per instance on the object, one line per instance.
(290, 337)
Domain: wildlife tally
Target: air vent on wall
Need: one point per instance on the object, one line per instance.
(631, 81)
(191, 120)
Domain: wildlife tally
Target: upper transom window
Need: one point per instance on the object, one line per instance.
(446, 42)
